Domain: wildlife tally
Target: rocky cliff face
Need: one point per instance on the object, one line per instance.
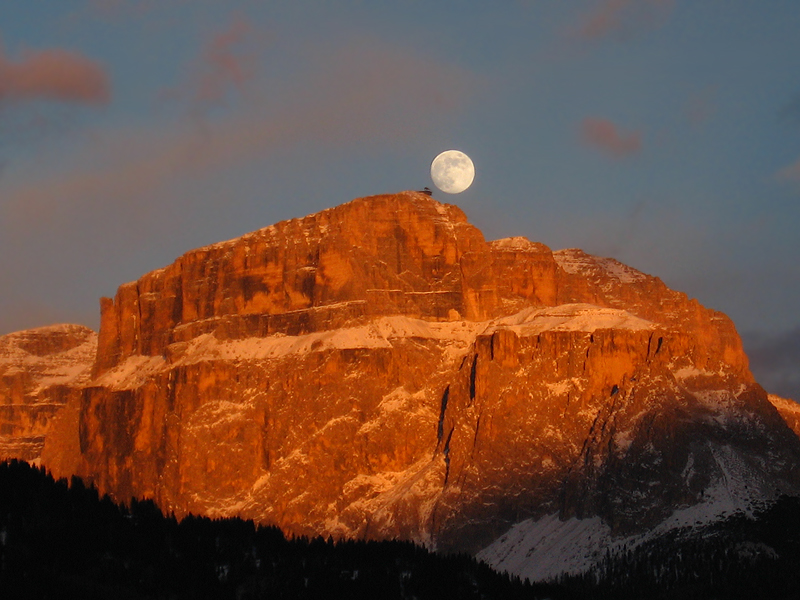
(789, 410)
(380, 370)
(40, 370)
(370, 257)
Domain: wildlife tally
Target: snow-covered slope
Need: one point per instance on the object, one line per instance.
(548, 547)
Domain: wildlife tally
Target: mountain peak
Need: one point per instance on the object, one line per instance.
(358, 215)
(388, 254)
(379, 370)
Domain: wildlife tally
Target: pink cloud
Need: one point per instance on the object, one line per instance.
(225, 62)
(107, 7)
(604, 135)
(54, 75)
(791, 172)
(701, 106)
(361, 93)
(114, 9)
(623, 17)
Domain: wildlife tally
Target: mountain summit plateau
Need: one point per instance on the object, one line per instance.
(380, 370)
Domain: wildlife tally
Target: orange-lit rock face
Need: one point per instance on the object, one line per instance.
(40, 370)
(379, 370)
(789, 411)
(382, 255)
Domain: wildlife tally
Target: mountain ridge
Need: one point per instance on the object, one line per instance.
(379, 370)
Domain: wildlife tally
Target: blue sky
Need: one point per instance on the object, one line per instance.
(664, 133)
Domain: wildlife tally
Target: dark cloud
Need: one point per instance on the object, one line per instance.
(775, 361)
(605, 136)
(54, 74)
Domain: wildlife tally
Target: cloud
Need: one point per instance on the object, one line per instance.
(623, 18)
(790, 172)
(775, 361)
(224, 65)
(361, 93)
(116, 9)
(701, 106)
(107, 7)
(603, 135)
(55, 74)
(111, 203)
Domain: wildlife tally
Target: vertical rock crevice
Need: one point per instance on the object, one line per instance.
(442, 410)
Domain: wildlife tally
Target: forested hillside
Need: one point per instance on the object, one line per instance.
(737, 558)
(60, 540)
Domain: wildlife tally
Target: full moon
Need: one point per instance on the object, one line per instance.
(452, 171)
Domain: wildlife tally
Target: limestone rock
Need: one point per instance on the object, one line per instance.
(380, 370)
(40, 370)
(789, 410)
(400, 254)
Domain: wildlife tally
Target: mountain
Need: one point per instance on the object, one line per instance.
(789, 410)
(379, 370)
(40, 370)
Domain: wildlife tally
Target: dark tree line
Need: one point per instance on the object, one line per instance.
(740, 557)
(62, 540)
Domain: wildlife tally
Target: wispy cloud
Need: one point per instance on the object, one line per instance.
(53, 74)
(623, 18)
(790, 172)
(604, 136)
(224, 65)
(357, 93)
(125, 8)
(701, 106)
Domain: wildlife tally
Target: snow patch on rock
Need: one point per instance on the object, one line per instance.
(576, 262)
(68, 361)
(572, 317)
(545, 548)
(517, 244)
